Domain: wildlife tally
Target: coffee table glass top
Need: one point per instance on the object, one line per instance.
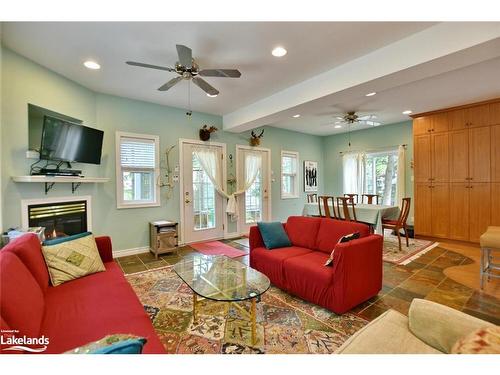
(221, 278)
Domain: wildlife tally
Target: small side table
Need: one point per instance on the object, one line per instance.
(163, 237)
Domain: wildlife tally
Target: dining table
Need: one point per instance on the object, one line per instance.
(367, 213)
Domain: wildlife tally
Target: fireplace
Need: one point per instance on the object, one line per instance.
(60, 217)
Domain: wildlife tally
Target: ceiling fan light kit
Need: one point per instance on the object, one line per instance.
(188, 69)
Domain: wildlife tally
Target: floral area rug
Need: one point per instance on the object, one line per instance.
(285, 324)
(392, 254)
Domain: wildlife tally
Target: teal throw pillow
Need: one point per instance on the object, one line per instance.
(274, 235)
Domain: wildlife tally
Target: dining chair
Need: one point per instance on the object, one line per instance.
(370, 198)
(323, 203)
(353, 197)
(400, 223)
(312, 198)
(343, 204)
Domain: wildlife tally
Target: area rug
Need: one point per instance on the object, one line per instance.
(217, 248)
(285, 324)
(407, 254)
(243, 242)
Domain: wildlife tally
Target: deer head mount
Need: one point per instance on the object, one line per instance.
(255, 139)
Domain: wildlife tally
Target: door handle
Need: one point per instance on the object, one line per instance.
(187, 201)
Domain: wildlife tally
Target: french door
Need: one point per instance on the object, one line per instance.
(203, 207)
(255, 204)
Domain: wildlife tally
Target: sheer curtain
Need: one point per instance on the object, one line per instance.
(209, 162)
(353, 165)
(401, 177)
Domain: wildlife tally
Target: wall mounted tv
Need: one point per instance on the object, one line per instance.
(63, 140)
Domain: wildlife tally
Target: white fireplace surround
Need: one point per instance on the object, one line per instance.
(25, 203)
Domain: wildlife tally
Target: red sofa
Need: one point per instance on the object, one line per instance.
(356, 274)
(74, 313)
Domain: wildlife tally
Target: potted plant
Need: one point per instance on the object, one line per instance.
(205, 132)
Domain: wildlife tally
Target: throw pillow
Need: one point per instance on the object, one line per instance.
(346, 238)
(112, 344)
(72, 257)
(481, 341)
(274, 235)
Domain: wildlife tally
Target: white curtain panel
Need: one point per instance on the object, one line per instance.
(353, 165)
(401, 181)
(209, 162)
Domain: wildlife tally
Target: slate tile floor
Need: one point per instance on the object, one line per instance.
(422, 278)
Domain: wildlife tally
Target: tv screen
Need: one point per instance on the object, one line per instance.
(65, 141)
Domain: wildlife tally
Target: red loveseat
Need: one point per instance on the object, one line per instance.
(74, 313)
(356, 274)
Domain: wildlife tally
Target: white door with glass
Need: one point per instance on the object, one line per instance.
(203, 206)
(254, 203)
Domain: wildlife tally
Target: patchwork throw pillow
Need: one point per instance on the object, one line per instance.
(274, 235)
(113, 344)
(481, 341)
(346, 238)
(72, 257)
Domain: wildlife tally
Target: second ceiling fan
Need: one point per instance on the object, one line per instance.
(188, 69)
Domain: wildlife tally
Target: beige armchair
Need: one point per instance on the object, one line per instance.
(430, 328)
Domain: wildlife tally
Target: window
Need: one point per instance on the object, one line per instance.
(381, 170)
(289, 174)
(137, 170)
(203, 198)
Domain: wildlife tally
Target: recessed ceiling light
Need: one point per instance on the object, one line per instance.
(407, 112)
(279, 52)
(91, 65)
(296, 116)
(212, 96)
(338, 126)
(371, 93)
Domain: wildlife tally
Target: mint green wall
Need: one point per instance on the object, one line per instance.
(27, 82)
(369, 139)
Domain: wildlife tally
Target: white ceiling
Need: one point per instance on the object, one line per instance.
(265, 95)
(313, 47)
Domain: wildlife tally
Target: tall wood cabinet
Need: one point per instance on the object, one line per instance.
(457, 171)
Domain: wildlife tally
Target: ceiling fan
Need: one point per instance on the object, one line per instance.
(352, 117)
(188, 69)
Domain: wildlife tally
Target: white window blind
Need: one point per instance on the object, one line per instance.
(137, 153)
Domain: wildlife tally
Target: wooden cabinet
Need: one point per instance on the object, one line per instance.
(457, 119)
(422, 158)
(495, 113)
(459, 211)
(439, 157)
(479, 209)
(495, 204)
(440, 122)
(459, 155)
(440, 210)
(423, 214)
(421, 125)
(477, 116)
(479, 154)
(495, 153)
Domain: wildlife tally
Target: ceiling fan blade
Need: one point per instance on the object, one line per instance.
(366, 117)
(370, 123)
(229, 73)
(205, 86)
(185, 55)
(170, 84)
(143, 65)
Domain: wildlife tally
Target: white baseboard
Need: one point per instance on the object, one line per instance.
(132, 251)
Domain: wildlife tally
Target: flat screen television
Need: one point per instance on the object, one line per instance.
(66, 141)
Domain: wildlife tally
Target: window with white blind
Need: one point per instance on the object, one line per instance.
(289, 174)
(137, 170)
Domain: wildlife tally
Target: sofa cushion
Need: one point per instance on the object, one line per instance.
(94, 306)
(112, 344)
(388, 334)
(28, 249)
(343, 239)
(22, 300)
(303, 230)
(71, 258)
(331, 231)
(270, 263)
(274, 235)
(307, 278)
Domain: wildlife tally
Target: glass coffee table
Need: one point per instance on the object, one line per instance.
(220, 278)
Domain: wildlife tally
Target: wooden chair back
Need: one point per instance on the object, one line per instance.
(354, 197)
(370, 198)
(405, 211)
(343, 204)
(324, 202)
(312, 198)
